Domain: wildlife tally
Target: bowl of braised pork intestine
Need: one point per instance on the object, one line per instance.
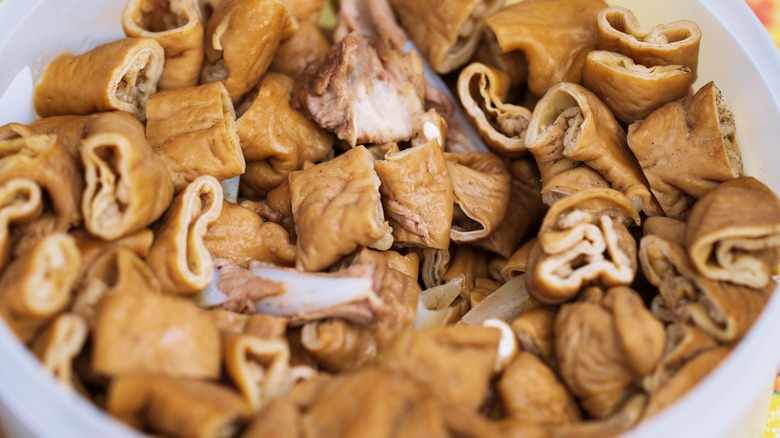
(385, 218)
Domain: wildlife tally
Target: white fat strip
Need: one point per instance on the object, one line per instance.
(310, 292)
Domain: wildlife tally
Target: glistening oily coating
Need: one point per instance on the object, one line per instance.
(578, 271)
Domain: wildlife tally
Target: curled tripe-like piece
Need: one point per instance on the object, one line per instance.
(534, 330)
(241, 40)
(141, 332)
(260, 368)
(603, 344)
(482, 186)
(179, 257)
(43, 159)
(308, 45)
(530, 391)
(685, 379)
(92, 248)
(724, 310)
(686, 148)
(675, 43)
(127, 186)
(117, 270)
(733, 233)
(684, 341)
(20, 201)
(275, 138)
(59, 344)
(632, 91)
(450, 36)
(337, 207)
(523, 214)
(576, 139)
(583, 239)
(418, 195)
(483, 91)
(193, 130)
(176, 407)
(68, 129)
(174, 24)
(553, 35)
(37, 286)
(517, 263)
(120, 75)
(240, 235)
(338, 345)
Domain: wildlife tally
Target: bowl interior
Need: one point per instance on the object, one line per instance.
(735, 54)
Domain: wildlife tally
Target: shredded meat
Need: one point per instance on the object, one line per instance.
(364, 92)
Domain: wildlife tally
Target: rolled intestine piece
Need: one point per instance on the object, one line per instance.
(20, 201)
(241, 40)
(578, 144)
(632, 91)
(174, 24)
(675, 43)
(193, 130)
(448, 32)
(127, 186)
(43, 159)
(179, 256)
(120, 75)
(37, 286)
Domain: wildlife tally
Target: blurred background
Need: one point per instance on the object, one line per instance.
(768, 12)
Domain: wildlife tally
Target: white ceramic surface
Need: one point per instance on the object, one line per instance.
(735, 53)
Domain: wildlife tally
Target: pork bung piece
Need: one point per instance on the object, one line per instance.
(127, 185)
(483, 91)
(275, 138)
(632, 91)
(20, 201)
(43, 159)
(417, 195)
(176, 407)
(604, 345)
(578, 144)
(148, 333)
(37, 286)
(675, 43)
(337, 207)
(686, 148)
(482, 186)
(553, 35)
(242, 37)
(583, 240)
(724, 243)
(193, 130)
(174, 24)
(119, 75)
(178, 256)
(447, 32)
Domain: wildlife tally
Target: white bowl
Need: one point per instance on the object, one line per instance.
(736, 53)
